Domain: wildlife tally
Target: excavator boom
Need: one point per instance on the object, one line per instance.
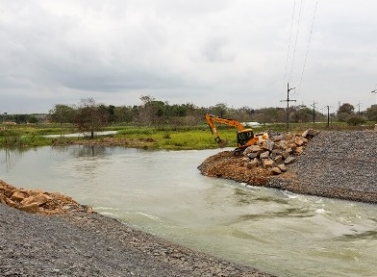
(245, 137)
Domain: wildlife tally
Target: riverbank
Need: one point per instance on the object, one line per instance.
(334, 164)
(76, 241)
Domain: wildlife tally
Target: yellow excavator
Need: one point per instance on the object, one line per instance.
(245, 136)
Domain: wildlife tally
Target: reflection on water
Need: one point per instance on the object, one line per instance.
(81, 150)
(163, 193)
(88, 151)
(10, 156)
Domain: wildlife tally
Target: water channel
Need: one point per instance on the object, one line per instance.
(163, 193)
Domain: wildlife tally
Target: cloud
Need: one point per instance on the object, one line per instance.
(236, 52)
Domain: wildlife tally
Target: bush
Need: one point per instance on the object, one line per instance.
(354, 121)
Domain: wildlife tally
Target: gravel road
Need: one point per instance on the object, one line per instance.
(89, 244)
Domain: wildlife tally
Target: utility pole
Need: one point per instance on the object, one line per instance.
(313, 105)
(288, 100)
(375, 92)
(328, 116)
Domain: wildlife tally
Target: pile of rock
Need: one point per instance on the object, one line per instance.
(37, 201)
(277, 152)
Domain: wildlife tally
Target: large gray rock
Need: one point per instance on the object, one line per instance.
(268, 145)
(267, 163)
(264, 155)
(290, 160)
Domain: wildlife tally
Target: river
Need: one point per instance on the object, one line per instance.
(163, 193)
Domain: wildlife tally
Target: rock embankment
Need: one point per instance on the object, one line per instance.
(260, 161)
(37, 201)
(337, 165)
(331, 164)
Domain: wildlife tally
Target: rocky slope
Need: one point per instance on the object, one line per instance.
(330, 164)
(37, 201)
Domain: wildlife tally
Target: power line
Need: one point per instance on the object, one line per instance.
(307, 49)
(296, 39)
(289, 42)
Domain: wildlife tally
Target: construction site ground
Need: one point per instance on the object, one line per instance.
(333, 164)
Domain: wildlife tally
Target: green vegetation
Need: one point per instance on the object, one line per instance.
(158, 125)
(173, 138)
(147, 137)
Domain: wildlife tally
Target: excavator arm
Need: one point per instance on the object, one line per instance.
(245, 137)
(211, 119)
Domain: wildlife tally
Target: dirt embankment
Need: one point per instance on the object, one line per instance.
(331, 164)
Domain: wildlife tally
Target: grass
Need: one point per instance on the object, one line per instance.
(170, 138)
(161, 137)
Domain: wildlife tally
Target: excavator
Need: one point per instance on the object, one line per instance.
(245, 136)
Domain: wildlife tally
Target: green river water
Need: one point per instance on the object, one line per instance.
(162, 192)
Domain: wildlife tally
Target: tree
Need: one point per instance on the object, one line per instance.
(20, 118)
(271, 115)
(33, 119)
(90, 116)
(147, 111)
(355, 120)
(302, 114)
(345, 112)
(111, 112)
(372, 113)
(61, 114)
(123, 114)
(220, 109)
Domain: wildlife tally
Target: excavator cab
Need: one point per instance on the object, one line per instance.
(243, 136)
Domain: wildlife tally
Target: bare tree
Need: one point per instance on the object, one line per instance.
(90, 116)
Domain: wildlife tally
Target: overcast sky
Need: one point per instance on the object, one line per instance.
(237, 52)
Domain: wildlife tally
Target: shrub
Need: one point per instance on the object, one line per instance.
(355, 120)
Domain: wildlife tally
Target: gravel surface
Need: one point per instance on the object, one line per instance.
(336, 165)
(89, 244)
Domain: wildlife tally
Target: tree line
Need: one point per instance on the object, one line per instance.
(154, 112)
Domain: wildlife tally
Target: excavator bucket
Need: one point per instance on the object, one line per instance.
(223, 143)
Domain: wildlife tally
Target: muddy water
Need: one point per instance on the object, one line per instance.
(163, 193)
